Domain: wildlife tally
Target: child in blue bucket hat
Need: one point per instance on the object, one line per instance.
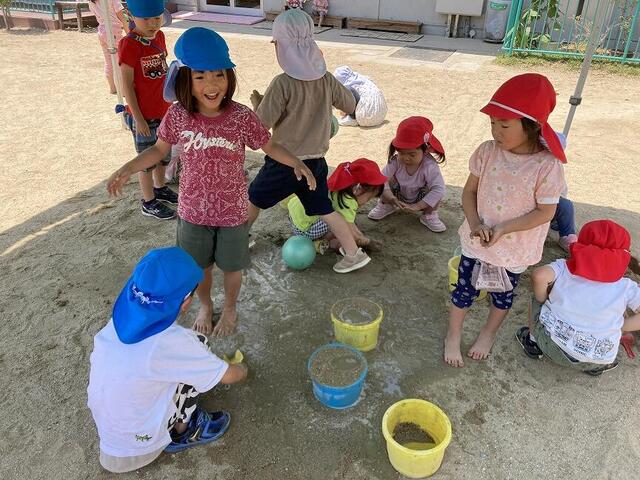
(212, 131)
(147, 371)
(142, 56)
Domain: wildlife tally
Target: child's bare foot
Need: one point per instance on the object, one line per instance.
(481, 348)
(204, 320)
(452, 354)
(227, 323)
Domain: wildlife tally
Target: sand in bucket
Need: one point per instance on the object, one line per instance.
(356, 322)
(336, 367)
(410, 435)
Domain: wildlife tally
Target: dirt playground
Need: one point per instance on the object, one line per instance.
(66, 250)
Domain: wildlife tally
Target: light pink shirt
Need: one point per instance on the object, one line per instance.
(511, 185)
(427, 176)
(115, 6)
(213, 187)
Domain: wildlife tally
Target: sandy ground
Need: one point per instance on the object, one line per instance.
(66, 250)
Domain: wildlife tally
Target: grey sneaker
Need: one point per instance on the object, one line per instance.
(349, 263)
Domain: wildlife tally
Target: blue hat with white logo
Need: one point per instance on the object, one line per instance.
(151, 299)
(199, 49)
(145, 8)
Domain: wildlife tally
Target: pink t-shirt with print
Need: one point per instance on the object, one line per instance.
(213, 187)
(511, 185)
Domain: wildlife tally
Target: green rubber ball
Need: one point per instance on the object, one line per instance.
(335, 126)
(298, 252)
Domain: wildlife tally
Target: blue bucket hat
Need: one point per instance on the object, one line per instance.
(145, 8)
(199, 49)
(151, 299)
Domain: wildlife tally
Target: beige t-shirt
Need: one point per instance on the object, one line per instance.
(299, 112)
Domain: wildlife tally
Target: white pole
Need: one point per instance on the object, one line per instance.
(117, 77)
(594, 41)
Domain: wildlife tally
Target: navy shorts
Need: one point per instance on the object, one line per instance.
(465, 293)
(142, 142)
(276, 181)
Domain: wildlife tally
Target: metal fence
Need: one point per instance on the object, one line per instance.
(564, 28)
(39, 6)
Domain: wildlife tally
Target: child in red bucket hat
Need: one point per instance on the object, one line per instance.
(578, 322)
(351, 185)
(415, 182)
(508, 200)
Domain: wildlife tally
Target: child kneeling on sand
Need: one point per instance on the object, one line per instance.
(351, 185)
(577, 314)
(147, 371)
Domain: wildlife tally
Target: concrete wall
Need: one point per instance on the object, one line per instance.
(408, 10)
(187, 5)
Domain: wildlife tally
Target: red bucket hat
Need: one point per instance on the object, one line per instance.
(362, 170)
(528, 96)
(415, 131)
(601, 252)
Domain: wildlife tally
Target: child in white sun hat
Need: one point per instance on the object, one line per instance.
(297, 107)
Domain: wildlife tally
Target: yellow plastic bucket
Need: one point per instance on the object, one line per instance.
(356, 322)
(454, 262)
(421, 462)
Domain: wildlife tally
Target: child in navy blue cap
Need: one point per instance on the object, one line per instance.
(147, 371)
(212, 131)
(142, 56)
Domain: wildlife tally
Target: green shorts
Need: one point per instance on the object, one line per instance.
(227, 247)
(551, 348)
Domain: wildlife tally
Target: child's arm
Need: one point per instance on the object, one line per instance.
(543, 213)
(123, 21)
(234, 374)
(150, 157)
(132, 100)
(282, 155)
(470, 209)
(358, 236)
(436, 190)
(542, 278)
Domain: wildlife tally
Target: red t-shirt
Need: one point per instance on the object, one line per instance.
(213, 187)
(148, 58)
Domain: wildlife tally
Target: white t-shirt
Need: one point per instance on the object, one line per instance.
(584, 317)
(131, 387)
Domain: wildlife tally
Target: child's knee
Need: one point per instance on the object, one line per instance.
(502, 300)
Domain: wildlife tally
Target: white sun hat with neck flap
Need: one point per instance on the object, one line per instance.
(297, 52)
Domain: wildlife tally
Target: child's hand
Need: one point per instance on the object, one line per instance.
(142, 127)
(390, 198)
(303, 171)
(496, 233)
(255, 99)
(374, 245)
(482, 231)
(117, 180)
(411, 207)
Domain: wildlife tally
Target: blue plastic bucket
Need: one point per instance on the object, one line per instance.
(338, 397)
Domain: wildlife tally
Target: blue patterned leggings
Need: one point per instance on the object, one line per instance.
(465, 293)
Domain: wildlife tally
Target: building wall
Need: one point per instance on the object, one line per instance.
(407, 10)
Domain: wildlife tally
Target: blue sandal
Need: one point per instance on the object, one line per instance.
(203, 428)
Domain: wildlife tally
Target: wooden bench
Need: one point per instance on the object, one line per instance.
(385, 25)
(328, 21)
(60, 5)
